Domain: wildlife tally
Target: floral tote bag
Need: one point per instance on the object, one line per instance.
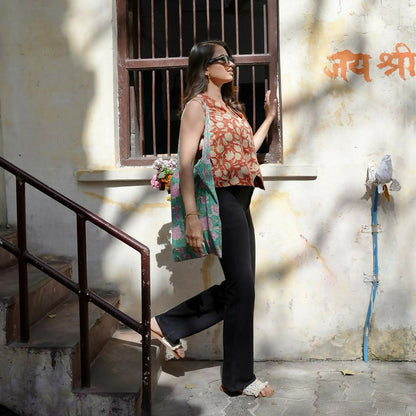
(206, 204)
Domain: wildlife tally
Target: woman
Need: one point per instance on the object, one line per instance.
(236, 172)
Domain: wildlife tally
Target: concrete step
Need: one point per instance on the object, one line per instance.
(42, 371)
(7, 259)
(116, 375)
(44, 294)
(118, 366)
(59, 331)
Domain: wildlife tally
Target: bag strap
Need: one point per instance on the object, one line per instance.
(206, 137)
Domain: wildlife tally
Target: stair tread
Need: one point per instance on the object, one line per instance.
(118, 367)
(9, 278)
(60, 327)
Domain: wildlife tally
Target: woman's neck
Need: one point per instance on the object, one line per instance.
(214, 92)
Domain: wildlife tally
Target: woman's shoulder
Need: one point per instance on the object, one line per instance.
(197, 100)
(203, 101)
(200, 98)
(194, 108)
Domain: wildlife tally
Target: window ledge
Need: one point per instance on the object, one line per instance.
(272, 172)
(279, 172)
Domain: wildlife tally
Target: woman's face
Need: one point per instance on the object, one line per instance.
(220, 69)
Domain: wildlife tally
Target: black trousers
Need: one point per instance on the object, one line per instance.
(233, 300)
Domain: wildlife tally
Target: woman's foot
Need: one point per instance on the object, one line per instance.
(258, 388)
(268, 391)
(177, 350)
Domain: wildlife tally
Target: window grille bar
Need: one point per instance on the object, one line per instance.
(208, 21)
(133, 118)
(182, 62)
(130, 31)
(182, 81)
(152, 17)
(139, 31)
(155, 63)
(265, 42)
(166, 30)
(253, 94)
(222, 21)
(180, 29)
(237, 81)
(168, 112)
(252, 25)
(141, 116)
(154, 112)
(237, 30)
(194, 19)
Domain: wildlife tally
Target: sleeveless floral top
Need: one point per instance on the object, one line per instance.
(232, 151)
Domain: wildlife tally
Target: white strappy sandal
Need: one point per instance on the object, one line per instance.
(255, 388)
(167, 344)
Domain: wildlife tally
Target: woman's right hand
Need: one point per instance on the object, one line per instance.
(193, 233)
(270, 106)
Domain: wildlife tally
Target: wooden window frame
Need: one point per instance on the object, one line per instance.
(127, 65)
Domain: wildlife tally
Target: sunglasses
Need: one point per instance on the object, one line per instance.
(222, 59)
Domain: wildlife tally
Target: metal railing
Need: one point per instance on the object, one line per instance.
(81, 289)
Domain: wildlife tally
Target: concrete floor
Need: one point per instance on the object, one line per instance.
(191, 388)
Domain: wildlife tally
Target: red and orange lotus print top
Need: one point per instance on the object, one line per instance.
(232, 152)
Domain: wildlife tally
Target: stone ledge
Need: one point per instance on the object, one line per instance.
(272, 172)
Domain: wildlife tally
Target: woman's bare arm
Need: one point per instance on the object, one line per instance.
(191, 130)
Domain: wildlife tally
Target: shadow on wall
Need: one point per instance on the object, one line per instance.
(188, 277)
(54, 94)
(46, 94)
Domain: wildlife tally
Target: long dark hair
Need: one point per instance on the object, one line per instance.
(197, 81)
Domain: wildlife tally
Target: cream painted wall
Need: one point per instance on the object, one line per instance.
(3, 204)
(58, 95)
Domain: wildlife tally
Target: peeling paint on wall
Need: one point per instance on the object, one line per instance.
(343, 345)
(392, 343)
(318, 256)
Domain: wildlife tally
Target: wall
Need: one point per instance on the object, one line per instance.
(3, 205)
(341, 111)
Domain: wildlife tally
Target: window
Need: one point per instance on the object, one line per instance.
(154, 38)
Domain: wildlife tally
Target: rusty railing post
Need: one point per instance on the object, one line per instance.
(83, 302)
(146, 338)
(21, 243)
